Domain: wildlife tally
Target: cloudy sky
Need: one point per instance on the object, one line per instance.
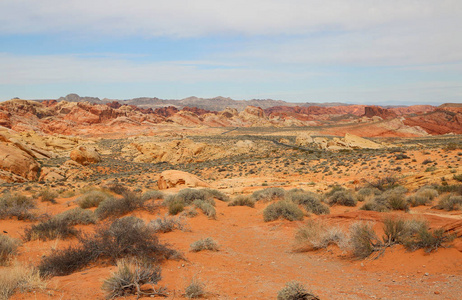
(354, 51)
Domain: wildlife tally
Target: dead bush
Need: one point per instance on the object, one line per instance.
(204, 244)
(168, 224)
(295, 291)
(8, 247)
(50, 230)
(206, 208)
(16, 205)
(450, 202)
(269, 194)
(115, 207)
(316, 235)
(76, 216)
(196, 289)
(19, 278)
(92, 198)
(242, 200)
(363, 240)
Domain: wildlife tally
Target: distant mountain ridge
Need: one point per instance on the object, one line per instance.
(213, 104)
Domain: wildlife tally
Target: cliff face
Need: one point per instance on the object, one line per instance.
(372, 111)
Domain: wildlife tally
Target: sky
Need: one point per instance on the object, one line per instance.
(353, 51)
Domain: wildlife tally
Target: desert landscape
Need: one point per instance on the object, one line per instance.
(229, 199)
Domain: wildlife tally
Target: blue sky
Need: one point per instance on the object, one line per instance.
(355, 51)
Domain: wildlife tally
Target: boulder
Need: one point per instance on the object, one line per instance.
(356, 142)
(303, 140)
(18, 162)
(85, 155)
(173, 178)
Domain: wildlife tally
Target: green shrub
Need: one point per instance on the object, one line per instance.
(115, 207)
(8, 247)
(76, 216)
(282, 209)
(242, 200)
(204, 244)
(363, 240)
(295, 291)
(206, 208)
(130, 276)
(48, 195)
(195, 289)
(310, 201)
(152, 195)
(92, 198)
(16, 205)
(450, 202)
(175, 207)
(341, 197)
(316, 235)
(269, 194)
(50, 230)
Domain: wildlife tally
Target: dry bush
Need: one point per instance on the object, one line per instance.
(16, 205)
(48, 195)
(342, 197)
(115, 207)
(175, 207)
(363, 240)
(450, 202)
(152, 195)
(50, 230)
(76, 216)
(92, 198)
(385, 183)
(242, 200)
(367, 193)
(393, 199)
(66, 261)
(130, 276)
(204, 244)
(428, 240)
(188, 196)
(423, 196)
(206, 208)
(269, 194)
(217, 194)
(19, 278)
(168, 224)
(282, 209)
(295, 291)
(316, 235)
(399, 231)
(8, 247)
(196, 289)
(310, 201)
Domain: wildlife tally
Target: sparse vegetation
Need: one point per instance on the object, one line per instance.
(295, 291)
(282, 209)
(311, 202)
(50, 230)
(341, 197)
(316, 235)
(152, 195)
(242, 200)
(450, 202)
(115, 207)
(8, 247)
(423, 196)
(196, 289)
(167, 224)
(204, 244)
(16, 205)
(77, 216)
(206, 208)
(92, 198)
(269, 194)
(19, 278)
(363, 240)
(48, 195)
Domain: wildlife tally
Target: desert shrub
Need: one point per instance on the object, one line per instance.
(310, 201)
(317, 235)
(152, 195)
(367, 193)
(217, 194)
(453, 188)
(385, 183)
(423, 196)
(50, 230)
(125, 237)
(8, 247)
(130, 276)
(334, 189)
(206, 208)
(196, 289)
(242, 200)
(175, 207)
(269, 194)
(363, 240)
(47, 195)
(450, 202)
(282, 209)
(92, 198)
(115, 207)
(399, 231)
(458, 177)
(428, 240)
(190, 212)
(118, 188)
(393, 199)
(341, 198)
(204, 244)
(295, 291)
(77, 216)
(19, 278)
(167, 224)
(188, 196)
(16, 205)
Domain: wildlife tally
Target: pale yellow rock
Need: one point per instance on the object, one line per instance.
(174, 178)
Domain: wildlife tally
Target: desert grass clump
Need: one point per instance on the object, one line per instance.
(19, 278)
(125, 237)
(16, 205)
(309, 200)
(175, 207)
(367, 193)
(152, 195)
(204, 244)
(385, 183)
(242, 200)
(77, 216)
(423, 196)
(196, 289)
(269, 194)
(168, 224)
(295, 291)
(316, 235)
(363, 240)
(399, 230)
(49, 230)
(8, 247)
(93, 198)
(341, 197)
(393, 199)
(130, 276)
(428, 240)
(282, 209)
(115, 207)
(48, 195)
(217, 194)
(206, 208)
(450, 202)
(188, 196)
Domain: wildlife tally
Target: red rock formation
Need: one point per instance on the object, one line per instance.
(166, 111)
(198, 111)
(440, 121)
(372, 111)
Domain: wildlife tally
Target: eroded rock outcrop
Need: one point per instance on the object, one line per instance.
(85, 155)
(172, 178)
